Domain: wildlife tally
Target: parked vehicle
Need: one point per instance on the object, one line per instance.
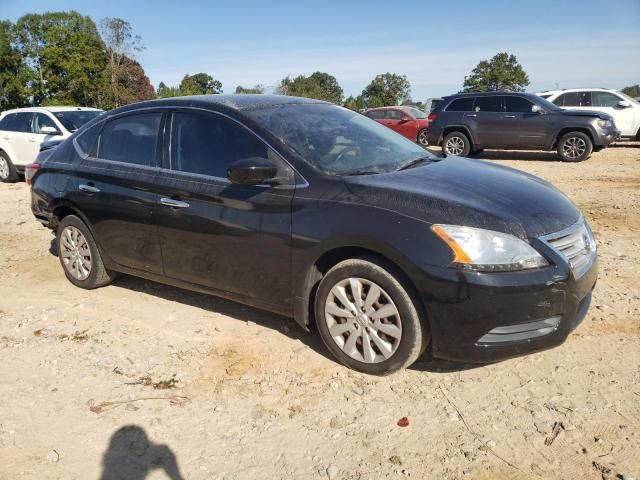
(624, 109)
(431, 104)
(467, 123)
(316, 212)
(407, 121)
(23, 130)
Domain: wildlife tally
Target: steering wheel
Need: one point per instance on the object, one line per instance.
(343, 153)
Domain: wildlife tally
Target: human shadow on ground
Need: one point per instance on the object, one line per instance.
(132, 456)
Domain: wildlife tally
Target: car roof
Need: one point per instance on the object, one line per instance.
(565, 90)
(234, 101)
(390, 107)
(51, 109)
(487, 94)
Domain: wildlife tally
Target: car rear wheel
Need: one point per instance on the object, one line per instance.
(456, 143)
(574, 147)
(8, 173)
(79, 255)
(422, 137)
(367, 317)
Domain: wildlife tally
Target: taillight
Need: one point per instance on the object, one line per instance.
(29, 171)
(432, 117)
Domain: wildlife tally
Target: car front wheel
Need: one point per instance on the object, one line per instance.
(8, 173)
(456, 143)
(574, 147)
(79, 255)
(367, 317)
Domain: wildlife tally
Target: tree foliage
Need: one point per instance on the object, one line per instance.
(502, 72)
(199, 84)
(319, 85)
(386, 89)
(255, 89)
(165, 91)
(13, 91)
(633, 91)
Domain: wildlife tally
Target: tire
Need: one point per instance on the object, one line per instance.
(8, 173)
(422, 137)
(456, 143)
(398, 328)
(83, 266)
(574, 147)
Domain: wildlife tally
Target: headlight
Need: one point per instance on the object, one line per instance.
(488, 251)
(605, 123)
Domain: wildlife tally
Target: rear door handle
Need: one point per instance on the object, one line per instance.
(88, 188)
(471, 115)
(509, 116)
(170, 202)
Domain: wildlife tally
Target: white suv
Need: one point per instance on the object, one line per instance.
(624, 109)
(23, 130)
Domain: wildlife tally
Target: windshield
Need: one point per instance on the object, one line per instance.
(72, 120)
(414, 112)
(547, 105)
(338, 141)
(631, 99)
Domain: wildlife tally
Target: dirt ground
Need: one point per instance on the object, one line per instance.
(139, 378)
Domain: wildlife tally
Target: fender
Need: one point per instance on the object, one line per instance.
(457, 126)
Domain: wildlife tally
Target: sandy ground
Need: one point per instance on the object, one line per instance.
(140, 378)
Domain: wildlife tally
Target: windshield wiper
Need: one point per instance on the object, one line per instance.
(413, 162)
(357, 172)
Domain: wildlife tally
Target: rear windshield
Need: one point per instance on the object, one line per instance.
(72, 120)
(338, 141)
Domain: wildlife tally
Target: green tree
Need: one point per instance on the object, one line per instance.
(165, 91)
(387, 89)
(65, 56)
(502, 72)
(13, 92)
(354, 103)
(255, 89)
(633, 91)
(319, 85)
(199, 84)
(121, 47)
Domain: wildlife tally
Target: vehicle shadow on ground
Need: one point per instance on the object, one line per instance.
(517, 155)
(132, 456)
(629, 144)
(284, 325)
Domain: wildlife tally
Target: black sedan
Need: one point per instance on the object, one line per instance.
(312, 211)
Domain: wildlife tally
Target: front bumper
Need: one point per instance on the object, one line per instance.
(486, 317)
(605, 137)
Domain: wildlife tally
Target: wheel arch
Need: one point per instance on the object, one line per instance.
(458, 128)
(331, 256)
(564, 130)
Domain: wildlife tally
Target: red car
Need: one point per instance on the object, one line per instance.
(407, 121)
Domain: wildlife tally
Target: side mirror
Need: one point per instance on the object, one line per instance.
(623, 104)
(251, 171)
(50, 131)
(405, 119)
(537, 109)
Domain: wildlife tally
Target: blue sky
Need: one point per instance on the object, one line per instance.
(435, 43)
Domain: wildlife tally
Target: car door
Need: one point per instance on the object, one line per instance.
(18, 138)
(222, 236)
(115, 190)
(394, 120)
(522, 126)
(608, 103)
(487, 121)
(574, 101)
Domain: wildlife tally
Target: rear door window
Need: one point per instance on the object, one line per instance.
(488, 104)
(604, 99)
(461, 105)
(131, 139)
(208, 144)
(376, 114)
(22, 122)
(7, 122)
(394, 115)
(517, 105)
(574, 99)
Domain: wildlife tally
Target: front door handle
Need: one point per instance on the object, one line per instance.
(170, 202)
(509, 116)
(88, 188)
(33, 139)
(471, 115)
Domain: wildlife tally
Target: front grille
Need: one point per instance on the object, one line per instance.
(576, 245)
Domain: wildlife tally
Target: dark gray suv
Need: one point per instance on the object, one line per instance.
(467, 123)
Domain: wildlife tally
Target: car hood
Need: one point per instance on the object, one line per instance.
(469, 192)
(585, 113)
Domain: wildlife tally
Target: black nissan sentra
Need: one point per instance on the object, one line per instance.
(318, 213)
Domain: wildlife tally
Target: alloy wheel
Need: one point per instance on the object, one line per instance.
(422, 138)
(363, 320)
(454, 146)
(574, 147)
(4, 168)
(75, 253)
